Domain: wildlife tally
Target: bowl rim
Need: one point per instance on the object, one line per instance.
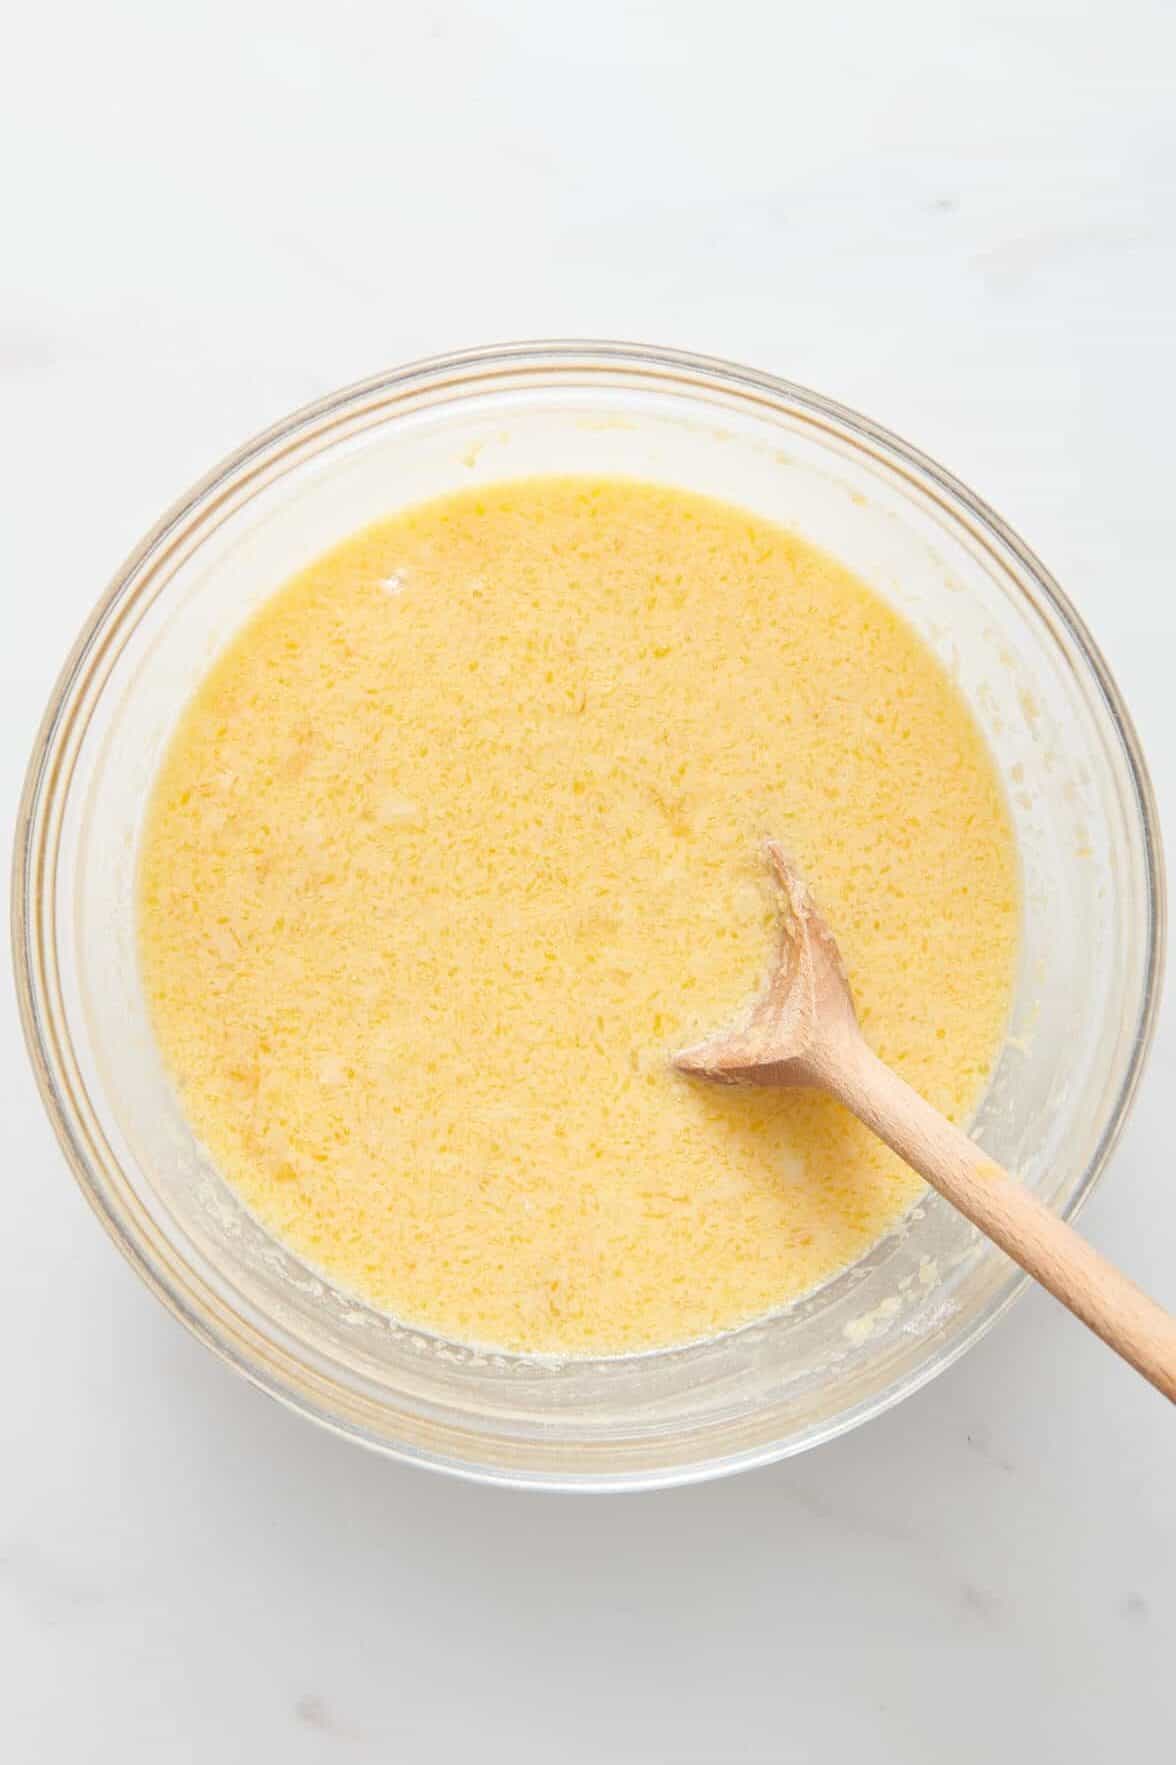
(43, 783)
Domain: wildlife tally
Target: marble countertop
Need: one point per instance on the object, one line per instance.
(958, 217)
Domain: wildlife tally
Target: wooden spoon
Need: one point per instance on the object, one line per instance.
(803, 1031)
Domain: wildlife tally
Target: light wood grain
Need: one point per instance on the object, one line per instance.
(803, 1031)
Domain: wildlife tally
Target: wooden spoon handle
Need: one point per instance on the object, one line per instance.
(1011, 1215)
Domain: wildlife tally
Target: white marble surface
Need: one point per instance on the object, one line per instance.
(958, 216)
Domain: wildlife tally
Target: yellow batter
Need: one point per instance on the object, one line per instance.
(458, 840)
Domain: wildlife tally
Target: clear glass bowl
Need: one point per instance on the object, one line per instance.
(1079, 793)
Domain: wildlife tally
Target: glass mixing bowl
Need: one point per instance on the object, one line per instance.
(1077, 787)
